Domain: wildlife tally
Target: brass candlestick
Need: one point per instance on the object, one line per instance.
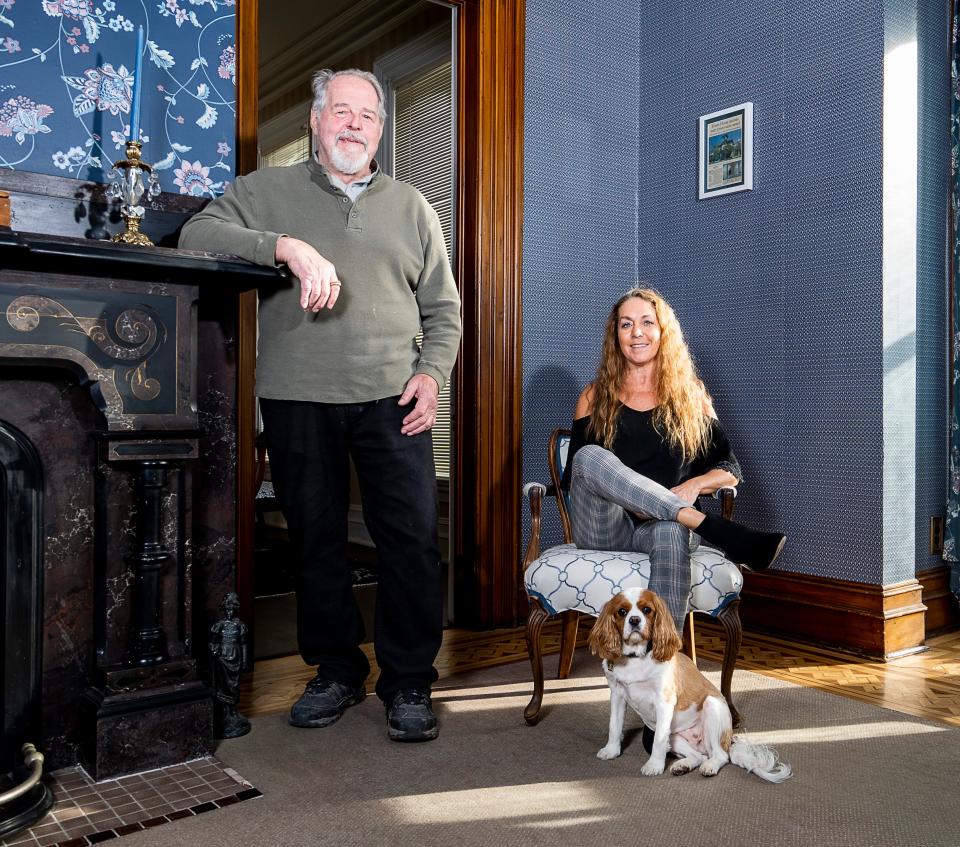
(128, 186)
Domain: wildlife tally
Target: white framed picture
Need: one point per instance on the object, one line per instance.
(726, 151)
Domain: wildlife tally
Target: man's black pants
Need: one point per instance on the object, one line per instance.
(309, 444)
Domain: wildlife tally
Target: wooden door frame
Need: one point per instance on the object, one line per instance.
(488, 379)
(248, 107)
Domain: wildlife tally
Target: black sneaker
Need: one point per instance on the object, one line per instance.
(410, 716)
(323, 702)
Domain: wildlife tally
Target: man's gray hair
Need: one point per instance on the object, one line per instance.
(322, 79)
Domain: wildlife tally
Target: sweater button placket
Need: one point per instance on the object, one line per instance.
(353, 219)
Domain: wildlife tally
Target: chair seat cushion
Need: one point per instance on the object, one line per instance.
(566, 577)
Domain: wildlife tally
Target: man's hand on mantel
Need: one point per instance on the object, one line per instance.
(319, 285)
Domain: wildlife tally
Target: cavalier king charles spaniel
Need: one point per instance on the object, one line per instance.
(640, 647)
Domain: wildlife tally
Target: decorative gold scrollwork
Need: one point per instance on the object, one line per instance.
(142, 386)
(133, 326)
(24, 313)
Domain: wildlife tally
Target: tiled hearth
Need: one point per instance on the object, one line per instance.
(87, 812)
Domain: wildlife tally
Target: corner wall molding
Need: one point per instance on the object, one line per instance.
(364, 21)
(880, 621)
(943, 611)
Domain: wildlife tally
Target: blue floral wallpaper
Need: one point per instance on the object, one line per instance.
(66, 83)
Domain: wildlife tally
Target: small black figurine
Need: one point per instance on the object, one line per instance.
(228, 652)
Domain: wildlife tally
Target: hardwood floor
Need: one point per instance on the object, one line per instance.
(925, 685)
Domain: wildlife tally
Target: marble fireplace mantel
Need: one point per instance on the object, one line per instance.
(118, 364)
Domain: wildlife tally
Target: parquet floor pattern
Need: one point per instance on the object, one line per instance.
(925, 685)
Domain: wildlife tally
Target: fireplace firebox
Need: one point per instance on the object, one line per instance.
(23, 798)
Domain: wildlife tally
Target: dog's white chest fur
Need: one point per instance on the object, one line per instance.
(639, 679)
(643, 682)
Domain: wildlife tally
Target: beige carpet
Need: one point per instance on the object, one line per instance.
(864, 776)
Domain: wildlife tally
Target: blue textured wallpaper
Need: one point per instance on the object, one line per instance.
(933, 186)
(779, 289)
(66, 69)
(580, 193)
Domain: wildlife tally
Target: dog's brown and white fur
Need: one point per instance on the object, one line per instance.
(638, 642)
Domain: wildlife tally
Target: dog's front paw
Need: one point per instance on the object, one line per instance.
(709, 769)
(611, 751)
(680, 768)
(652, 768)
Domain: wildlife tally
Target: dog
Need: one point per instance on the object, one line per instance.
(640, 648)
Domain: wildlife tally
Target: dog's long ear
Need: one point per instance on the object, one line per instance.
(606, 638)
(665, 639)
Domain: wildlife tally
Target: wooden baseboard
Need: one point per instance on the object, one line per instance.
(943, 611)
(880, 621)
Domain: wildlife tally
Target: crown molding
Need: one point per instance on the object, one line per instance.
(364, 21)
(432, 47)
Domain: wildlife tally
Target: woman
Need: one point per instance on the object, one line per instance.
(646, 444)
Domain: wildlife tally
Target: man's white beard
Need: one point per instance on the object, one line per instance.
(347, 164)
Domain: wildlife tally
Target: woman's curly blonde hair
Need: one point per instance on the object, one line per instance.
(682, 399)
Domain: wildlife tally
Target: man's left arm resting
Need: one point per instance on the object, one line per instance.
(230, 225)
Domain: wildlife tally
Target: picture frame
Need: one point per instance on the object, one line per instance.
(726, 151)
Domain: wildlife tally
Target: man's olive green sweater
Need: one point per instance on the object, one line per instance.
(389, 253)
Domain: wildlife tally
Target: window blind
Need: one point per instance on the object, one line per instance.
(423, 156)
(296, 151)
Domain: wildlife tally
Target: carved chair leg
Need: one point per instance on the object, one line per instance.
(689, 645)
(568, 641)
(730, 619)
(535, 621)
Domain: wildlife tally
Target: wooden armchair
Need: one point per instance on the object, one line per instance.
(566, 580)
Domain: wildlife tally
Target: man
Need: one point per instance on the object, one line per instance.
(339, 373)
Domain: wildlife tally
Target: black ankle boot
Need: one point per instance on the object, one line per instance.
(756, 550)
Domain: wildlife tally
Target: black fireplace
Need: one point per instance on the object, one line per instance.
(118, 366)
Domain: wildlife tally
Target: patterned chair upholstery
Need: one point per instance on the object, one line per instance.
(567, 581)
